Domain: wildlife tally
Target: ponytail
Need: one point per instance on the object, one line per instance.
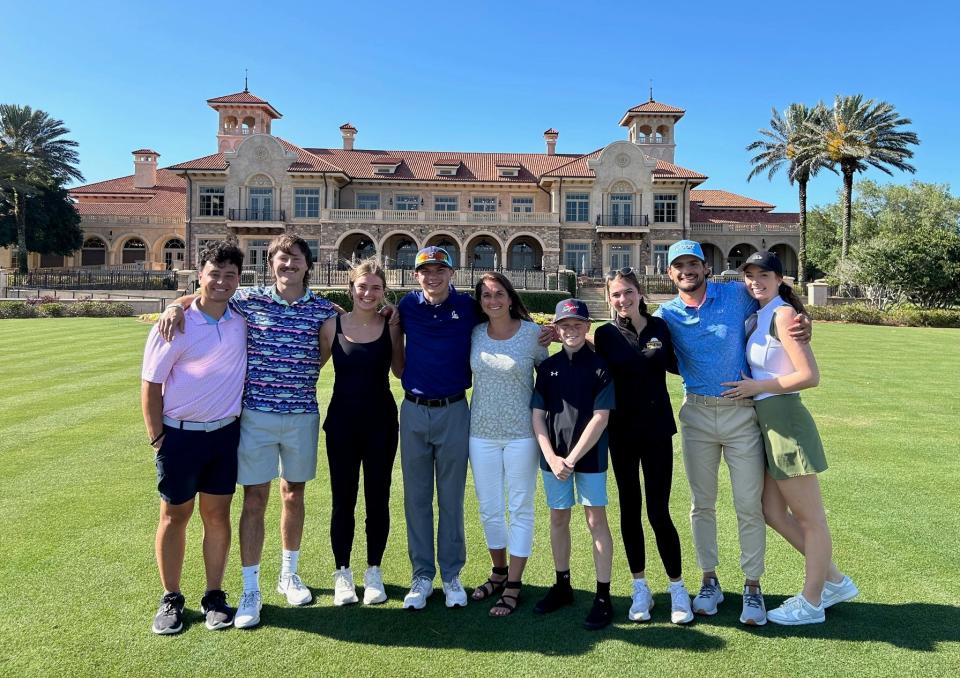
(788, 295)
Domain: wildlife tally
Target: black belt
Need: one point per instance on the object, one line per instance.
(434, 402)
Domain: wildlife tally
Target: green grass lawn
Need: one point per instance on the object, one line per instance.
(79, 587)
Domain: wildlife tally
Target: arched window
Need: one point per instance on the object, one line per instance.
(484, 254)
(406, 253)
(450, 247)
(134, 250)
(522, 256)
(364, 249)
(173, 254)
(94, 252)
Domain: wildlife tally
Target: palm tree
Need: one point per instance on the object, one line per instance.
(857, 134)
(787, 144)
(33, 155)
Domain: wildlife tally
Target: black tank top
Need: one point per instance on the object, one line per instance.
(361, 369)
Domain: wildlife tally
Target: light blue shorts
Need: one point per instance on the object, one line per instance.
(591, 489)
(274, 444)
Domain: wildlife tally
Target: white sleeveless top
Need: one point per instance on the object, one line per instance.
(765, 353)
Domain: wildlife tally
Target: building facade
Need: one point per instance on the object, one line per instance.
(620, 205)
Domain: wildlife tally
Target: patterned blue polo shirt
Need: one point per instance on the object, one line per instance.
(283, 349)
(710, 340)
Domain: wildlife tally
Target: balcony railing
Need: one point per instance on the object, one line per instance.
(256, 215)
(734, 229)
(440, 217)
(623, 220)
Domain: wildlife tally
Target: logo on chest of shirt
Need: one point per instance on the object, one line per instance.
(554, 374)
(654, 344)
(454, 316)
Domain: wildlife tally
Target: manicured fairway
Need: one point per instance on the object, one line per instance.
(78, 508)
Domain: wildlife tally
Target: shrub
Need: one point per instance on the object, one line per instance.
(52, 310)
(17, 309)
(39, 301)
(542, 302)
(902, 316)
(100, 309)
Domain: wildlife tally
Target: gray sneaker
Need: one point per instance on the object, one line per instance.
(709, 597)
(169, 618)
(840, 592)
(754, 610)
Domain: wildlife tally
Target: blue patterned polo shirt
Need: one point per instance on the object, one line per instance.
(283, 349)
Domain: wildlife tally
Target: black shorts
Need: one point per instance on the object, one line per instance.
(197, 461)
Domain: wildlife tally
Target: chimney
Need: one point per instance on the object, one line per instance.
(145, 168)
(349, 132)
(550, 136)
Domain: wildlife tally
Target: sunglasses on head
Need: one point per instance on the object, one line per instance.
(626, 270)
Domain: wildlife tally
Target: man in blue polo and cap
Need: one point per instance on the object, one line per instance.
(707, 324)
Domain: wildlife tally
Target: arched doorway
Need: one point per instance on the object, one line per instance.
(355, 247)
(400, 251)
(134, 250)
(787, 257)
(525, 254)
(173, 254)
(447, 243)
(712, 257)
(93, 253)
(484, 253)
(739, 254)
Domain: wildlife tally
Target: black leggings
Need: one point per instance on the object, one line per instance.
(347, 450)
(628, 451)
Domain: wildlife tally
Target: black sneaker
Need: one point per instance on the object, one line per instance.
(169, 617)
(558, 596)
(214, 606)
(601, 614)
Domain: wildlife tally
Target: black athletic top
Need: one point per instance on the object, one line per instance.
(638, 364)
(361, 373)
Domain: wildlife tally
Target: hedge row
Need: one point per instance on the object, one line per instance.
(897, 316)
(79, 309)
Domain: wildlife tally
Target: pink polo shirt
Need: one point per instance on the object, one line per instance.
(202, 370)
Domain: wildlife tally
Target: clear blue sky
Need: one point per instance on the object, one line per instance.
(482, 76)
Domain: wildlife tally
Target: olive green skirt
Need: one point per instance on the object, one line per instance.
(790, 437)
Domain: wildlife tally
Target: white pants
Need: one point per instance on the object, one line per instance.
(506, 469)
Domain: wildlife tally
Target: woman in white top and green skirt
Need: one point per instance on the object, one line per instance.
(792, 503)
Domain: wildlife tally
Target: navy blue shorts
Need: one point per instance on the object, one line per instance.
(196, 461)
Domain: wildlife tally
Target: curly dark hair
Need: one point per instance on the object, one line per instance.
(222, 252)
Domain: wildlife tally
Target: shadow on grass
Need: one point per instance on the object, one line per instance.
(911, 626)
(470, 628)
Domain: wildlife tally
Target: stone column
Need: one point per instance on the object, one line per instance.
(817, 293)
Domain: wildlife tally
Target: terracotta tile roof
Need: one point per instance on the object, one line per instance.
(655, 107)
(579, 168)
(306, 161)
(670, 171)
(217, 161)
(144, 151)
(386, 160)
(447, 162)
(710, 199)
(347, 125)
(243, 98)
(119, 196)
(551, 131)
(508, 163)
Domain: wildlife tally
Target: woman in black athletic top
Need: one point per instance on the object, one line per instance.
(361, 427)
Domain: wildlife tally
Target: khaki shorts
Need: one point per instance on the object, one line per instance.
(274, 444)
(790, 437)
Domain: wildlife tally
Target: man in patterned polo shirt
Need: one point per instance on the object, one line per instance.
(279, 427)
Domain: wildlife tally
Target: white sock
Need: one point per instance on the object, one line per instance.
(251, 577)
(641, 579)
(288, 565)
(679, 582)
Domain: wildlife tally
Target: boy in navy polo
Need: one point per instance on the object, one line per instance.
(571, 403)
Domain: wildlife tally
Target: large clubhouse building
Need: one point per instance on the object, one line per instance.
(620, 205)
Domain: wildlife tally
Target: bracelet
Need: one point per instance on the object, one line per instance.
(169, 306)
(154, 441)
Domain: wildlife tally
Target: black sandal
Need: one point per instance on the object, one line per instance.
(489, 588)
(506, 601)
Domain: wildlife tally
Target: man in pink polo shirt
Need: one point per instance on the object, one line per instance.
(191, 394)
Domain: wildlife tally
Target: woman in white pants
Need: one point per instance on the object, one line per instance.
(503, 452)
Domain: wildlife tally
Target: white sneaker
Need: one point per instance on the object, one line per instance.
(680, 612)
(709, 597)
(294, 589)
(421, 588)
(248, 611)
(456, 596)
(754, 611)
(344, 592)
(373, 590)
(796, 611)
(642, 602)
(840, 592)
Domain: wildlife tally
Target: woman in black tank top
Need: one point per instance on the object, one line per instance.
(361, 428)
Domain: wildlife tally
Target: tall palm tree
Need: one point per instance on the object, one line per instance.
(786, 144)
(34, 156)
(857, 134)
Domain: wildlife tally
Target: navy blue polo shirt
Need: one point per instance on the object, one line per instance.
(438, 343)
(569, 390)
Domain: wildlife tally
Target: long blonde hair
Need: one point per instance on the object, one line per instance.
(368, 266)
